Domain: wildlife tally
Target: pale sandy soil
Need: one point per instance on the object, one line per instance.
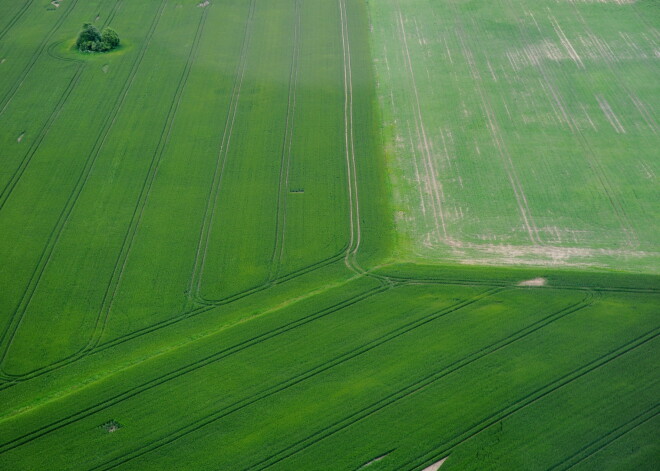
(534, 282)
(435, 466)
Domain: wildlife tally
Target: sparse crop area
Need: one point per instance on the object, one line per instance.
(522, 132)
(329, 235)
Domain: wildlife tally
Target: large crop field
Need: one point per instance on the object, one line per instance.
(330, 235)
(523, 132)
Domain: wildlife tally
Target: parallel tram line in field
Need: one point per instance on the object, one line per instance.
(349, 142)
(282, 386)
(6, 192)
(602, 442)
(502, 150)
(19, 14)
(196, 277)
(589, 154)
(35, 55)
(224, 353)
(285, 161)
(443, 449)
(134, 375)
(27, 158)
(138, 212)
(111, 16)
(153, 328)
(419, 385)
(432, 179)
(468, 282)
(174, 374)
(388, 279)
(647, 115)
(47, 252)
(207, 305)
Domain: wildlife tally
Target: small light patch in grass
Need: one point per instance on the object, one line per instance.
(3, 61)
(111, 426)
(375, 460)
(105, 68)
(205, 3)
(20, 137)
(534, 282)
(435, 466)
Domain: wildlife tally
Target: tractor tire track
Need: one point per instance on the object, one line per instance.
(35, 55)
(222, 354)
(589, 154)
(594, 447)
(138, 212)
(432, 179)
(19, 14)
(338, 360)
(529, 399)
(163, 324)
(27, 158)
(355, 230)
(285, 161)
(25, 161)
(47, 252)
(419, 385)
(195, 284)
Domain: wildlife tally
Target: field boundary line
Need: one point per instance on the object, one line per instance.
(554, 286)
(222, 354)
(421, 384)
(531, 398)
(168, 322)
(46, 254)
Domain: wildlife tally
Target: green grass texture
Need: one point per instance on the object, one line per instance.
(329, 235)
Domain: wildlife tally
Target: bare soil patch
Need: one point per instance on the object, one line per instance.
(435, 466)
(375, 460)
(534, 282)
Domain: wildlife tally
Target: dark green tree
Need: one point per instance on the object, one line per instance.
(89, 34)
(110, 38)
(91, 40)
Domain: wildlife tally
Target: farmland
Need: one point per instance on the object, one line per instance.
(509, 122)
(339, 235)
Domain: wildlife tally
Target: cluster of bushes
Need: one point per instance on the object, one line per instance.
(91, 39)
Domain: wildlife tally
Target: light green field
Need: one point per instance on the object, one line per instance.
(217, 252)
(523, 132)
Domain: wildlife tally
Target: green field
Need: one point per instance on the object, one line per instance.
(522, 132)
(330, 235)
